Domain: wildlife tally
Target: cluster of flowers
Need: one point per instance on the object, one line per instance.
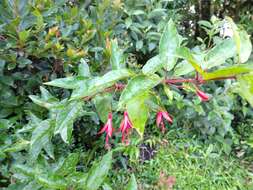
(126, 124)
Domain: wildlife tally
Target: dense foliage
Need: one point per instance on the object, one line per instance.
(142, 73)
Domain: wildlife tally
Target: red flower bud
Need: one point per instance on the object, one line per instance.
(108, 129)
(204, 97)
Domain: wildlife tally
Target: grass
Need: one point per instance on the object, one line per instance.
(195, 165)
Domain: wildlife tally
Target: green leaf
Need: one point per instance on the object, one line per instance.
(40, 136)
(103, 104)
(18, 146)
(40, 21)
(245, 87)
(116, 59)
(45, 94)
(246, 46)
(138, 86)
(205, 23)
(183, 68)
(132, 184)
(51, 181)
(65, 119)
(242, 41)
(23, 62)
(68, 166)
(220, 53)
(68, 83)
(138, 112)
(229, 71)
(25, 170)
(168, 45)
(98, 84)
(186, 54)
(23, 36)
(152, 65)
(83, 69)
(51, 103)
(236, 36)
(98, 172)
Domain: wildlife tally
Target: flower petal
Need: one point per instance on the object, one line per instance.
(167, 117)
(158, 118)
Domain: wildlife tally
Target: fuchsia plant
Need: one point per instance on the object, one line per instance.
(139, 87)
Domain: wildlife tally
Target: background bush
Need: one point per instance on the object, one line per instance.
(44, 40)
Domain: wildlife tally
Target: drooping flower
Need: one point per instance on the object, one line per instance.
(125, 126)
(204, 97)
(159, 119)
(108, 129)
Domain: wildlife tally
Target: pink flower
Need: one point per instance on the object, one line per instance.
(125, 126)
(108, 129)
(159, 119)
(204, 97)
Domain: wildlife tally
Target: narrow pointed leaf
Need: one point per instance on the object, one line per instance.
(116, 59)
(68, 82)
(98, 84)
(65, 119)
(83, 69)
(98, 172)
(18, 146)
(40, 136)
(229, 71)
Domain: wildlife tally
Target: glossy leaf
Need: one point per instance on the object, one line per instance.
(138, 112)
(43, 103)
(245, 87)
(83, 69)
(24, 169)
(229, 71)
(18, 146)
(236, 36)
(186, 54)
(40, 136)
(246, 46)
(168, 45)
(220, 53)
(98, 172)
(98, 84)
(45, 94)
(136, 87)
(68, 83)
(152, 65)
(116, 59)
(65, 119)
